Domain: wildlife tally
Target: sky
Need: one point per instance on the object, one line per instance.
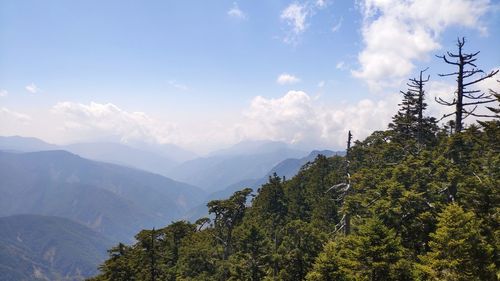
(207, 74)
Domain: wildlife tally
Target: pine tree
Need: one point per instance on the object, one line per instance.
(410, 123)
(270, 208)
(228, 214)
(301, 244)
(373, 252)
(458, 250)
(253, 254)
(118, 266)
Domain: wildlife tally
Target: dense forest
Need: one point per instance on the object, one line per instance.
(418, 201)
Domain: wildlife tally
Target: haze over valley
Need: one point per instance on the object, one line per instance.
(285, 140)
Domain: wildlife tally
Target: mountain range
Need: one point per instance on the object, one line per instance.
(36, 247)
(213, 172)
(286, 168)
(246, 160)
(110, 199)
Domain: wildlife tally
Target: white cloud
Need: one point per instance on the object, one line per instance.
(4, 93)
(236, 12)
(11, 115)
(108, 121)
(295, 16)
(340, 65)
(178, 86)
(298, 118)
(286, 78)
(32, 88)
(396, 33)
(337, 26)
(321, 84)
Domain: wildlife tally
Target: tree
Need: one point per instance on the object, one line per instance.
(270, 207)
(197, 258)
(301, 244)
(410, 122)
(344, 189)
(458, 250)
(373, 252)
(228, 214)
(252, 257)
(118, 266)
(148, 252)
(465, 98)
(495, 110)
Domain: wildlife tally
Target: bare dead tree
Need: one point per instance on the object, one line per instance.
(344, 189)
(466, 100)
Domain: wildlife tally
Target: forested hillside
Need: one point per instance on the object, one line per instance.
(415, 202)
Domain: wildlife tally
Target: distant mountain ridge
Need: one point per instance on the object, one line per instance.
(287, 168)
(153, 158)
(36, 247)
(214, 172)
(111, 199)
(228, 166)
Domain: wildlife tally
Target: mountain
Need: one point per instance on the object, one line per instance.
(24, 144)
(242, 161)
(123, 155)
(153, 158)
(251, 148)
(170, 151)
(287, 168)
(111, 199)
(48, 248)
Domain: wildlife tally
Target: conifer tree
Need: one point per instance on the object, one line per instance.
(118, 266)
(271, 208)
(410, 122)
(373, 252)
(253, 255)
(466, 100)
(495, 111)
(458, 250)
(228, 214)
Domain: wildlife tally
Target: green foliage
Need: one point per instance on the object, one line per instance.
(373, 252)
(420, 211)
(458, 251)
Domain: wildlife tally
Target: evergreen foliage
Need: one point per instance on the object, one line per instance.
(423, 205)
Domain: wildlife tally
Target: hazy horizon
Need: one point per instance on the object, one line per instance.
(206, 75)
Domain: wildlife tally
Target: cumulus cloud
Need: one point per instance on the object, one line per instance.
(286, 78)
(340, 65)
(396, 33)
(236, 12)
(4, 93)
(108, 121)
(32, 88)
(298, 118)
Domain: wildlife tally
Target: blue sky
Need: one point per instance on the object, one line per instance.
(204, 74)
